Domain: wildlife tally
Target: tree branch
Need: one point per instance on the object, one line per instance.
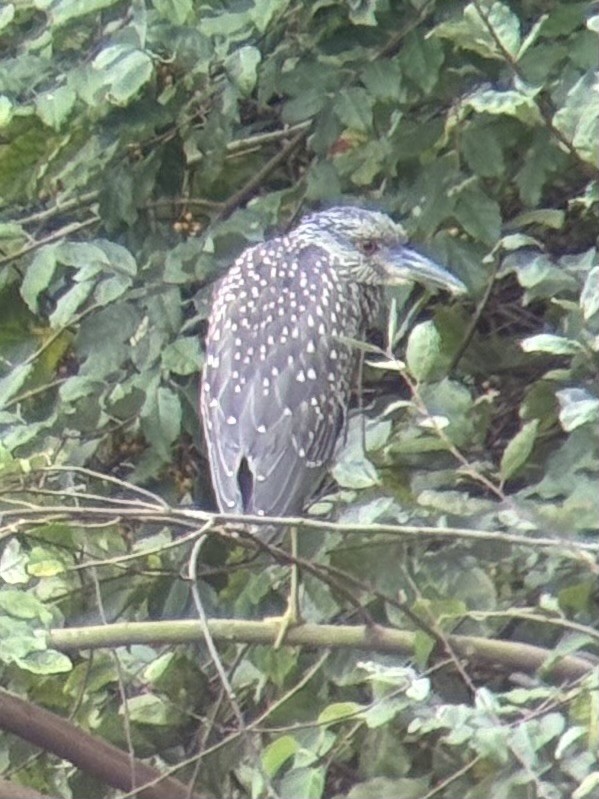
(89, 753)
(21, 515)
(509, 655)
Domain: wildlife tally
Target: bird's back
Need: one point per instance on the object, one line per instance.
(277, 377)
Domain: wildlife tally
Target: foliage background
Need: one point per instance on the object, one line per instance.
(143, 145)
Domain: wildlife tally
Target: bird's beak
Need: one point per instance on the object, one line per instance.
(404, 265)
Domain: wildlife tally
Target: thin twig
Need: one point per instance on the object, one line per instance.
(251, 142)
(109, 478)
(391, 46)
(34, 392)
(192, 572)
(256, 181)
(121, 686)
(476, 316)
(189, 518)
(59, 207)
(451, 447)
(67, 230)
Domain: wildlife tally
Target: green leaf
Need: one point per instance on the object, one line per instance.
(161, 418)
(176, 11)
(353, 468)
(366, 162)
(6, 110)
(541, 160)
(242, 68)
(11, 231)
(516, 241)
(353, 107)
(502, 24)
(386, 788)
(54, 107)
(7, 14)
(183, 356)
(22, 605)
(550, 343)
(116, 75)
(322, 181)
(518, 450)
(62, 11)
(169, 409)
(339, 711)
(492, 743)
(419, 689)
(578, 119)
(540, 276)
(306, 105)
(39, 274)
(510, 103)
(547, 217)
(19, 639)
(264, 11)
(384, 80)
(356, 472)
(363, 12)
(71, 303)
(482, 149)
(20, 154)
(577, 407)
(589, 297)
(490, 32)
(420, 59)
(47, 662)
(478, 214)
(456, 503)
(588, 787)
(278, 753)
(13, 563)
(424, 357)
(576, 597)
(153, 710)
(110, 289)
(45, 563)
(532, 35)
(384, 710)
(116, 256)
(13, 382)
(451, 400)
(305, 782)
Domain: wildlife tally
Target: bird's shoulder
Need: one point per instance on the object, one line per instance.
(273, 285)
(279, 261)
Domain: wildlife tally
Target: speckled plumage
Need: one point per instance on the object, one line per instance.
(277, 378)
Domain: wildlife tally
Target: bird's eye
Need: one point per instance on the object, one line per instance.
(369, 246)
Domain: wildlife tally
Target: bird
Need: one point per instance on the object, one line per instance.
(280, 361)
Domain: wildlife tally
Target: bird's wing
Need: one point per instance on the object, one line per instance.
(275, 389)
(285, 428)
(289, 429)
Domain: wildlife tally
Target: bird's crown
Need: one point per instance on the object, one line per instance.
(359, 227)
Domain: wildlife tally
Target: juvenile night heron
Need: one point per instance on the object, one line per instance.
(279, 367)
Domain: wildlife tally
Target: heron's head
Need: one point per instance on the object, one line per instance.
(369, 247)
